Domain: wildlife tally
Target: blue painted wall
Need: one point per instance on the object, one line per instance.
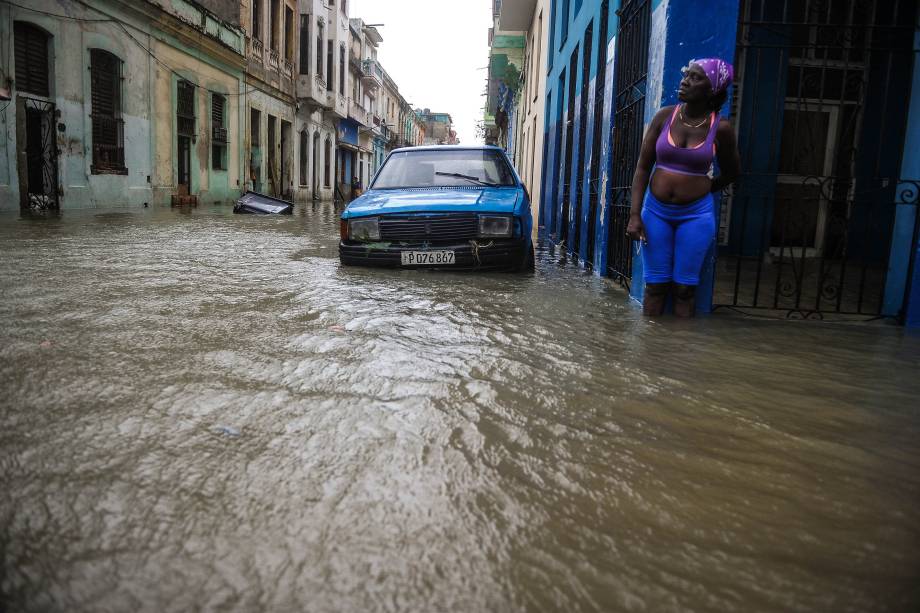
(683, 30)
(567, 33)
(905, 250)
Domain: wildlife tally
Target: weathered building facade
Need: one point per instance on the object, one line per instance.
(269, 96)
(95, 116)
(520, 105)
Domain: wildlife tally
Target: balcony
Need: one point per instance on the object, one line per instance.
(273, 58)
(358, 113)
(312, 90)
(516, 15)
(256, 49)
(371, 76)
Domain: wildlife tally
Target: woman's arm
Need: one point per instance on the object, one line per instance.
(635, 229)
(729, 158)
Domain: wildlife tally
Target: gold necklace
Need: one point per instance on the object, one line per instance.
(680, 111)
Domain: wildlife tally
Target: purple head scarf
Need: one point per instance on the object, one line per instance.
(720, 72)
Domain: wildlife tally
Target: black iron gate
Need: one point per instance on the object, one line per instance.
(630, 73)
(41, 168)
(823, 90)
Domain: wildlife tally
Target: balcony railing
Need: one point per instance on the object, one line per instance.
(371, 73)
(273, 57)
(257, 48)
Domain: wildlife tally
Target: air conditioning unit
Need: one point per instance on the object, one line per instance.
(219, 134)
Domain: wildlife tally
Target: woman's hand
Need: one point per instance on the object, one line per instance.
(636, 229)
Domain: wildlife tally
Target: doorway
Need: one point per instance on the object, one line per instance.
(39, 168)
(185, 132)
(821, 102)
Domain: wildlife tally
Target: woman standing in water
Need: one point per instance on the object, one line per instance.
(673, 215)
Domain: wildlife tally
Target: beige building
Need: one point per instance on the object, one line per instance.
(532, 17)
(268, 100)
(322, 93)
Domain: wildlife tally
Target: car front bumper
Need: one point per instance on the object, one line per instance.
(482, 254)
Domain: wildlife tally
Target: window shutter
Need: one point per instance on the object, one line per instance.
(31, 51)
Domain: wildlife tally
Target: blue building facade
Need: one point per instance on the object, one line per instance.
(826, 105)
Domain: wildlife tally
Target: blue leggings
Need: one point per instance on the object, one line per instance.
(679, 237)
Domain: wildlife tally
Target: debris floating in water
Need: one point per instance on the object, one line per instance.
(228, 430)
(260, 204)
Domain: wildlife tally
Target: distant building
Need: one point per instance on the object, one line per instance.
(517, 85)
(438, 128)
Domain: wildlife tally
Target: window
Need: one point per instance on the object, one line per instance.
(31, 52)
(185, 108)
(303, 157)
(257, 19)
(329, 69)
(552, 37)
(319, 50)
(218, 132)
(288, 34)
(327, 177)
(565, 22)
(538, 56)
(304, 63)
(273, 26)
(342, 69)
(255, 148)
(108, 127)
(439, 168)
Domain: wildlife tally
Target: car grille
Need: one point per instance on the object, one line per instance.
(446, 228)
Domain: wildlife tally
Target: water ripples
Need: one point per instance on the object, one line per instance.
(203, 411)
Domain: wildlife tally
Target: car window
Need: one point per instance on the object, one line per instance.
(444, 168)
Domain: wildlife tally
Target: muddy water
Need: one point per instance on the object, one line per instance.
(203, 411)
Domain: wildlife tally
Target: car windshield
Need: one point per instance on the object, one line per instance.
(445, 168)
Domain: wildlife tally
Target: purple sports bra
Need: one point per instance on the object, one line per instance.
(696, 161)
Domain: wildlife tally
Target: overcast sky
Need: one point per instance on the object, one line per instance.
(436, 51)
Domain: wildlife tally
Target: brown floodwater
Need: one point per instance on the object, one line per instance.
(202, 411)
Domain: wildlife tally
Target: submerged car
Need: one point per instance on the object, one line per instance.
(449, 207)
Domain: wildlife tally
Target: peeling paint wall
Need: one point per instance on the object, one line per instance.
(69, 78)
(155, 49)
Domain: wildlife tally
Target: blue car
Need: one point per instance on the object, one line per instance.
(448, 207)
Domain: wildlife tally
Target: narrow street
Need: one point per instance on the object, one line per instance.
(203, 411)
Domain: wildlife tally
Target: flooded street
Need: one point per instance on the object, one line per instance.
(203, 411)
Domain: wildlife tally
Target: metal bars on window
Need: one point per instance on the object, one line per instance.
(630, 74)
(105, 99)
(823, 89)
(185, 109)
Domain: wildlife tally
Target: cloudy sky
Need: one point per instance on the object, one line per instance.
(436, 51)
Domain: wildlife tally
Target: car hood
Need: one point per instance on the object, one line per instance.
(436, 200)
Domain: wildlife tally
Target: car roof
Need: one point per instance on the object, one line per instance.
(449, 148)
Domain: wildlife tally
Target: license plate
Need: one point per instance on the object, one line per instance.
(427, 258)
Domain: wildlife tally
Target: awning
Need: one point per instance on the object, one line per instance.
(351, 147)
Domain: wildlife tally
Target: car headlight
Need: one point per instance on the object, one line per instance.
(494, 226)
(364, 229)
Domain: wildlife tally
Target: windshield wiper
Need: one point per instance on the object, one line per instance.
(476, 180)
